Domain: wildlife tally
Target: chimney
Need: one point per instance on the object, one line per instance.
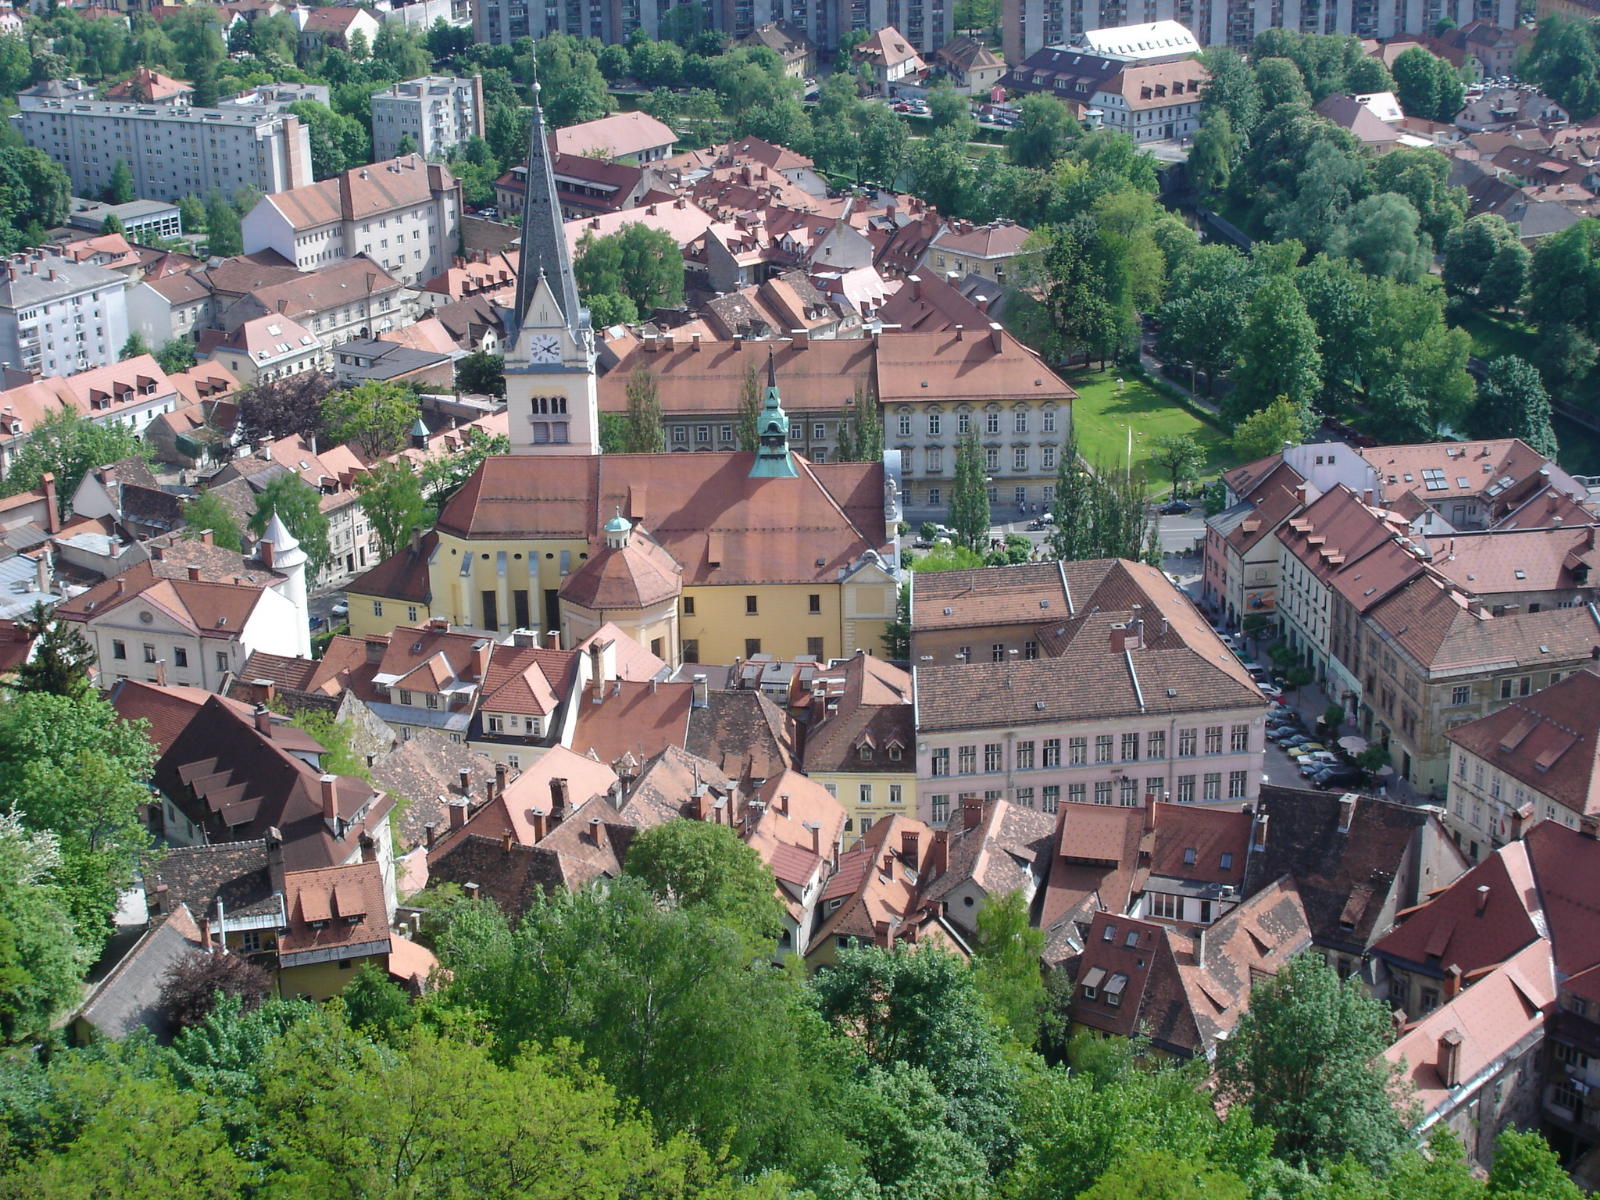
(458, 815)
(430, 831)
(1483, 897)
(888, 863)
(375, 648)
(263, 717)
(816, 837)
(783, 803)
(465, 779)
(1452, 981)
(469, 890)
(1261, 830)
(1521, 818)
(1449, 1066)
(205, 932)
(481, 651)
(194, 571)
(552, 639)
(597, 669)
(541, 826)
(802, 338)
(507, 840)
(597, 831)
(1119, 639)
(499, 787)
(702, 692)
(971, 812)
(908, 847)
(158, 553)
(47, 481)
(330, 797)
(161, 672)
(1347, 812)
(558, 800)
(158, 898)
(961, 333)
(1149, 812)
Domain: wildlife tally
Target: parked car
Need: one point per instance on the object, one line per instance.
(1175, 508)
(341, 609)
(922, 543)
(1304, 748)
(1289, 735)
(1342, 777)
(1270, 690)
(1317, 762)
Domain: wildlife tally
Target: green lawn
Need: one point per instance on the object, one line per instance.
(1102, 415)
(1494, 336)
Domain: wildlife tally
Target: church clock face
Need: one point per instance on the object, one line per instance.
(544, 348)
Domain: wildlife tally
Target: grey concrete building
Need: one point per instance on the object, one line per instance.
(437, 112)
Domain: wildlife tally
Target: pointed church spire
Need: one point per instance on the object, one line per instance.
(544, 242)
(773, 460)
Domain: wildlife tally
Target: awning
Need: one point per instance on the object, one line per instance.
(1118, 982)
(1094, 976)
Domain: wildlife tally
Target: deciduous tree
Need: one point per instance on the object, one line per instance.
(969, 495)
(644, 432)
(1512, 402)
(1179, 455)
(66, 445)
(192, 985)
(1005, 966)
(1276, 352)
(299, 506)
(375, 415)
(41, 959)
(391, 497)
(705, 867)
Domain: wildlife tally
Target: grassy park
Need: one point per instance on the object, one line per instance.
(1102, 415)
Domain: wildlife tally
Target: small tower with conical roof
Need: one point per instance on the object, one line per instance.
(281, 552)
(773, 460)
(618, 530)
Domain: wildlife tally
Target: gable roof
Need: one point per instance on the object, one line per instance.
(1550, 741)
(619, 135)
(873, 708)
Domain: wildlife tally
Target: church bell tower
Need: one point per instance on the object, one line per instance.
(551, 397)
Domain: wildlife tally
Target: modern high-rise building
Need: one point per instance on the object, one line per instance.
(58, 317)
(173, 150)
(928, 24)
(1030, 25)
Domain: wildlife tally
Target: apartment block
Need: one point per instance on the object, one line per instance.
(58, 317)
(1031, 25)
(173, 150)
(437, 112)
(404, 214)
(927, 24)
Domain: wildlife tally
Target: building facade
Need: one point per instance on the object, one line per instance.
(58, 317)
(437, 112)
(172, 150)
(403, 213)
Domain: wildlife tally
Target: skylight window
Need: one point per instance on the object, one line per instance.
(1434, 479)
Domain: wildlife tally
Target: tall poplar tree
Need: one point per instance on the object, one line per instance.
(969, 498)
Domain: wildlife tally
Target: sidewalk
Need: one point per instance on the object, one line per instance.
(1311, 703)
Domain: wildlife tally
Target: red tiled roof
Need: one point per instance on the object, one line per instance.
(1550, 741)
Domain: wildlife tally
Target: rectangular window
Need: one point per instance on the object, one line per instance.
(691, 650)
(941, 761)
(1239, 738)
(818, 431)
(752, 647)
(118, 649)
(814, 603)
(1213, 785)
(1025, 797)
(1047, 420)
(1052, 752)
(222, 660)
(1030, 650)
(432, 698)
(1185, 789)
(997, 652)
(1461, 695)
(1019, 458)
(991, 462)
(1213, 739)
(1047, 462)
(1156, 744)
(149, 653)
(1130, 747)
(1128, 792)
(814, 648)
(1052, 795)
(967, 760)
(750, 606)
(725, 433)
(688, 606)
(1186, 739)
(963, 423)
(905, 424)
(991, 422)
(1165, 907)
(1102, 792)
(896, 795)
(1102, 748)
(864, 793)
(1155, 785)
(180, 657)
(1019, 421)
(941, 809)
(933, 495)
(1236, 785)
(991, 757)
(1025, 756)
(935, 427)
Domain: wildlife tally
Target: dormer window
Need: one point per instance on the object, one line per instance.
(405, 697)
(866, 753)
(317, 924)
(1189, 857)
(894, 753)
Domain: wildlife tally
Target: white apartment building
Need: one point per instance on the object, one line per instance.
(403, 213)
(172, 150)
(436, 111)
(58, 317)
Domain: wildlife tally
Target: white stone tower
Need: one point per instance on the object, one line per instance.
(282, 553)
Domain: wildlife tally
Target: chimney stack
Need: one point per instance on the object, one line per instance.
(465, 780)
(1449, 1066)
(469, 890)
(430, 832)
(263, 717)
(816, 836)
(597, 830)
(1483, 897)
(330, 797)
(971, 812)
(499, 779)
(540, 825)
(783, 803)
(161, 672)
(702, 692)
(1149, 812)
(1452, 981)
(908, 847)
(558, 800)
(552, 639)
(458, 814)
